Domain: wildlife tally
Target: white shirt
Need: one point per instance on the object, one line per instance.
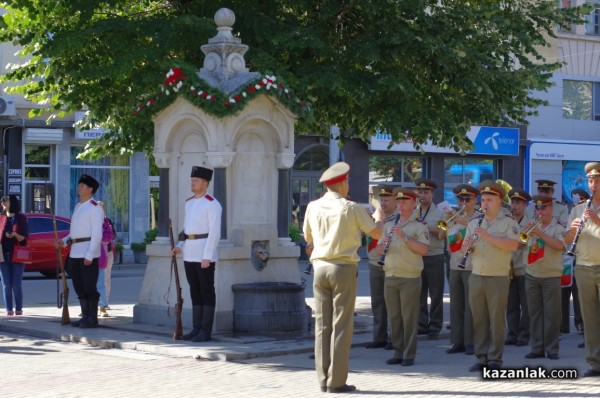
(202, 216)
(86, 221)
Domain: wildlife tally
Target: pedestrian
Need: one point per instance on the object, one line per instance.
(542, 279)
(407, 241)
(13, 225)
(105, 261)
(431, 318)
(198, 241)
(461, 320)
(587, 271)
(517, 314)
(546, 188)
(384, 193)
(332, 227)
(85, 239)
(490, 240)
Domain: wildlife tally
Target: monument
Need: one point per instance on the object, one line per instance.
(241, 124)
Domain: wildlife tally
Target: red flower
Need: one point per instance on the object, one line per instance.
(280, 85)
(237, 98)
(174, 76)
(303, 103)
(227, 103)
(260, 83)
(251, 89)
(204, 95)
(152, 101)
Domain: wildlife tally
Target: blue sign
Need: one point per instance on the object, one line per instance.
(494, 140)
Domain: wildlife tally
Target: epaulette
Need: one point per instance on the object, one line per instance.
(208, 197)
(560, 203)
(191, 197)
(94, 202)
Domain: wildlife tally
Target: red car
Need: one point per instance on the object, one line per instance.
(41, 242)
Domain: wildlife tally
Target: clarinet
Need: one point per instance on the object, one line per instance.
(387, 244)
(573, 246)
(463, 262)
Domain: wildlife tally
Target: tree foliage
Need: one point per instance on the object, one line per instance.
(426, 69)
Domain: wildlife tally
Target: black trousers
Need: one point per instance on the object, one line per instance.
(202, 283)
(85, 278)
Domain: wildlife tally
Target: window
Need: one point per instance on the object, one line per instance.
(566, 4)
(37, 163)
(466, 171)
(592, 25)
(581, 100)
(112, 172)
(393, 169)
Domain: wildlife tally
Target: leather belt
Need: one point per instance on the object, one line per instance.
(195, 236)
(71, 241)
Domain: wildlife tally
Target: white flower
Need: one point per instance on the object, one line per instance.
(167, 92)
(208, 97)
(170, 73)
(200, 93)
(264, 81)
(192, 88)
(179, 84)
(148, 103)
(286, 91)
(244, 94)
(231, 100)
(257, 87)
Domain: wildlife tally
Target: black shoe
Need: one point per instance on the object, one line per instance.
(469, 350)
(455, 349)
(478, 367)
(591, 373)
(342, 389)
(581, 345)
(552, 356)
(389, 346)
(374, 344)
(565, 330)
(422, 332)
(408, 362)
(521, 343)
(510, 342)
(533, 355)
(493, 365)
(323, 388)
(89, 324)
(394, 361)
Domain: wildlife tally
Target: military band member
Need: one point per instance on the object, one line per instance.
(408, 242)
(546, 188)
(489, 281)
(198, 241)
(517, 314)
(387, 206)
(85, 238)
(579, 196)
(432, 279)
(332, 227)
(543, 257)
(587, 270)
(461, 320)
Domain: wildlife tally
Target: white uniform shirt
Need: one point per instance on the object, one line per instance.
(202, 216)
(86, 222)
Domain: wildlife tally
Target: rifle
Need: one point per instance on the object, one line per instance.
(179, 305)
(63, 298)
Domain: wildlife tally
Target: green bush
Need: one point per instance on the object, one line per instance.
(295, 233)
(151, 235)
(138, 247)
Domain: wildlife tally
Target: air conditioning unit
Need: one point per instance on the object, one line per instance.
(7, 106)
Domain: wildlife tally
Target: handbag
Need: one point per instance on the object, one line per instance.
(21, 255)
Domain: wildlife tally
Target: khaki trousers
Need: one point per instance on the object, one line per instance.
(461, 320)
(380, 318)
(517, 314)
(543, 303)
(588, 283)
(334, 288)
(488, 296)
(402, 300)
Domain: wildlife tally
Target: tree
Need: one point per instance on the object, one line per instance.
(418, 69)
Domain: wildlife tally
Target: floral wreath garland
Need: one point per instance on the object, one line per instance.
(184, 81)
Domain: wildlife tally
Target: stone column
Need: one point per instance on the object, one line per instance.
(163, 203)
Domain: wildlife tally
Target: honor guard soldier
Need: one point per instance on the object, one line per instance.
(406, 241)
(332, 229)
(517, 314)
(543, 256)
(198, 240)
(85, 238)
(584, 217)
(546, 188)
(461, 320)
(387, 205)
(432, 281)
(490, 241)
(578, 196)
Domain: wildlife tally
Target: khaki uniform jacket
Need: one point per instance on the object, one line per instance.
(432, 217)
(588, 251)
(458, 255)
(551, 265)
(400, 261)
(489, 260)
(560, 211)
(517, 256)
(334, 224)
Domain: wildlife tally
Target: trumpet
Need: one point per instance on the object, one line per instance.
(524, 236)
(443, 224)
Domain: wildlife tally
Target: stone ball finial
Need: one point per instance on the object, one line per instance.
(224, 17)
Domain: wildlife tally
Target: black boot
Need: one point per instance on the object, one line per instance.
(196, 323)
(84, 313)
(208, 316)
(92, 319)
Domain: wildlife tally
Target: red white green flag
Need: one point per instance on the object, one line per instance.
(456, 239)
(536, 251)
